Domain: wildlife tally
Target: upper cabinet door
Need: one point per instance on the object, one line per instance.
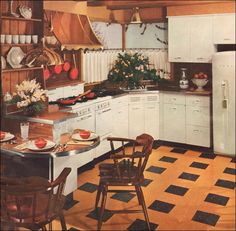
(224, 29)
(201, 43)
(179, 39)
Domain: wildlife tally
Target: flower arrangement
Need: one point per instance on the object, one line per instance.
(132, 68)
(30, 97)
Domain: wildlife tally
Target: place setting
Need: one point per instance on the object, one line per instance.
(83, 137)
(6, 136)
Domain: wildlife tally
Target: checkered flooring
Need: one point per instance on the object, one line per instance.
(184, 190)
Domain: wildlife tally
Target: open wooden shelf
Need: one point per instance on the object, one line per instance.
(21, 19)
(62, 84)
(22, 69)
(19, 44)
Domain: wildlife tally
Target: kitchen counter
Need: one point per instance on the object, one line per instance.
(45, 118)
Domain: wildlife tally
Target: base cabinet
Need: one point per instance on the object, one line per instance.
(174, 123)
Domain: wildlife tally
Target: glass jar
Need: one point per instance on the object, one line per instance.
(183, 82)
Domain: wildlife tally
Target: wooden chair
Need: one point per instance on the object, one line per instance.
(32, 202)
(128, 172)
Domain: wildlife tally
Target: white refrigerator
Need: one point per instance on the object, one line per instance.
(223, 84)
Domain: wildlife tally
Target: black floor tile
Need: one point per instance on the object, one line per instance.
(88, 187)
(206, 218)
(156, 145)
(177, 190)
(168, 159)
(73, 229)
(216, 199)
(230, 171)
(146, 182)
(188, 176)
(199, 165)
(208, 155)
(155, 169)
(225, 184)
(69, 204)
(106, 216)
(161, 206)
(141, 225)
(179, 150)
(124, 196)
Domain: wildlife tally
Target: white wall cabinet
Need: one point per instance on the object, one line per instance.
(178, 39)
(190, 39)
(224, 29)
(201, 45)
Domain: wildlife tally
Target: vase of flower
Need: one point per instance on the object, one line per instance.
(30, 97)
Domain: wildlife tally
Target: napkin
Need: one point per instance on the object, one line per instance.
(22, 146)
(73, 142)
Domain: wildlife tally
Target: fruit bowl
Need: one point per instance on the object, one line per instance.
(200, 83)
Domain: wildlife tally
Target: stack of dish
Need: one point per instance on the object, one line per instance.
(26, 12)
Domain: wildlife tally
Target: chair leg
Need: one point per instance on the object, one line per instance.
(44, 228)
(63, 223)
(144, 207)
(138, 195)
(50, 226)
(98, 196)
(102, 209)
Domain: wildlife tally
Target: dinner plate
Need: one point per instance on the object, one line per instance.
(25, 11)
(77, 136)
(15, 56)
(33, 147)
(7, 137)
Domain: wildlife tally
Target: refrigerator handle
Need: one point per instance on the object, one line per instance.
(224, 86)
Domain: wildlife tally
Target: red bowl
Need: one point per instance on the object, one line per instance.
(40, 142)
(84, 134)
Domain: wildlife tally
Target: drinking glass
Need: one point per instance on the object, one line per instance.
(24, 129)
(70, 125)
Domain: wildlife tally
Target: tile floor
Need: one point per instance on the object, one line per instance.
(184, 190)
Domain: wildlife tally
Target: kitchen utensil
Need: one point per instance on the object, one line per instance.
(15, 56)
(50, 24)
(8, 38)
(15, 38)
(35, 39)
(58, 68)
(22, 38)
(28, 39)
(67, 101)
(46, 73)
(66, 65)
(74, 71)
(11, 10)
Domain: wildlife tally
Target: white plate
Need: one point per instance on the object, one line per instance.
(77, 136)
(33, 147)
(15, 56)
(8, 136)
(25, 11)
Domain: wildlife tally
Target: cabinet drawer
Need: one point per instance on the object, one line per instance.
(120, 101)
(152, 98)
(174, 98)
(198, 116)
(197, 135)
(193, 100)
(136, 99)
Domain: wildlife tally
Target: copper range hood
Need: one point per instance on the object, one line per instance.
(73, 31)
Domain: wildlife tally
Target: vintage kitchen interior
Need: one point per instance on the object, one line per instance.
(117, 115)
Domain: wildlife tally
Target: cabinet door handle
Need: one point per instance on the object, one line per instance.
(135, 108)
(150, 107)
(173, 108)
(197, 101)
(196, 110)
(196, 130)
(174, 99)
(177, 57)
(200, 58)
(227, 39)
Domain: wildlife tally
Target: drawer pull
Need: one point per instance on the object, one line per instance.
(196, 130)
(174, 99)
(226, 39)
(173, 108)
(197, 101)
(178, 57)
(196, 110)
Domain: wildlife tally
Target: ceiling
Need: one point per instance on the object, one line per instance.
(119, 4)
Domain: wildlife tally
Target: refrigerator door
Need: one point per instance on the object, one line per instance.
(223, 71)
